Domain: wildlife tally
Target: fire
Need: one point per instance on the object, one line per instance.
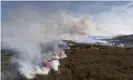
(47, 64)
(59, 54)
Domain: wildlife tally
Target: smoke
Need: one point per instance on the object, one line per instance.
(34, 34)
(117, 21)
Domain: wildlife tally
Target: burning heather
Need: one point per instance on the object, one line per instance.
(37, 39)
(49, 60)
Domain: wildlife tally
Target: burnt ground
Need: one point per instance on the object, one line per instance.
(85, 62)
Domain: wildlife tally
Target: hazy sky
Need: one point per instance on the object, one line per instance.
(79, 7)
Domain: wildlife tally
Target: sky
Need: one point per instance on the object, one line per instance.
(75, 7)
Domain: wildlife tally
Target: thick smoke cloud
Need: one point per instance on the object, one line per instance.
(26, 30)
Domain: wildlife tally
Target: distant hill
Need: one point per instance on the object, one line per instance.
(126, 40)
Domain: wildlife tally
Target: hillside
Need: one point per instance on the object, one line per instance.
(87, 62)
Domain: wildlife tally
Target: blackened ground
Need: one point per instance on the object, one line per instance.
(89, 62)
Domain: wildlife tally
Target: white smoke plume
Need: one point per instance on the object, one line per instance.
(117, 21)
(32, 34)
(27, 29)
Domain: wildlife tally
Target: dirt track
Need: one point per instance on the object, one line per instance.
(94, 62)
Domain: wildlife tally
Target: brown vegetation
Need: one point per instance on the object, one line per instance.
(94, 62)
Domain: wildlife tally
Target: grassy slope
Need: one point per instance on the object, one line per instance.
(94, 62)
